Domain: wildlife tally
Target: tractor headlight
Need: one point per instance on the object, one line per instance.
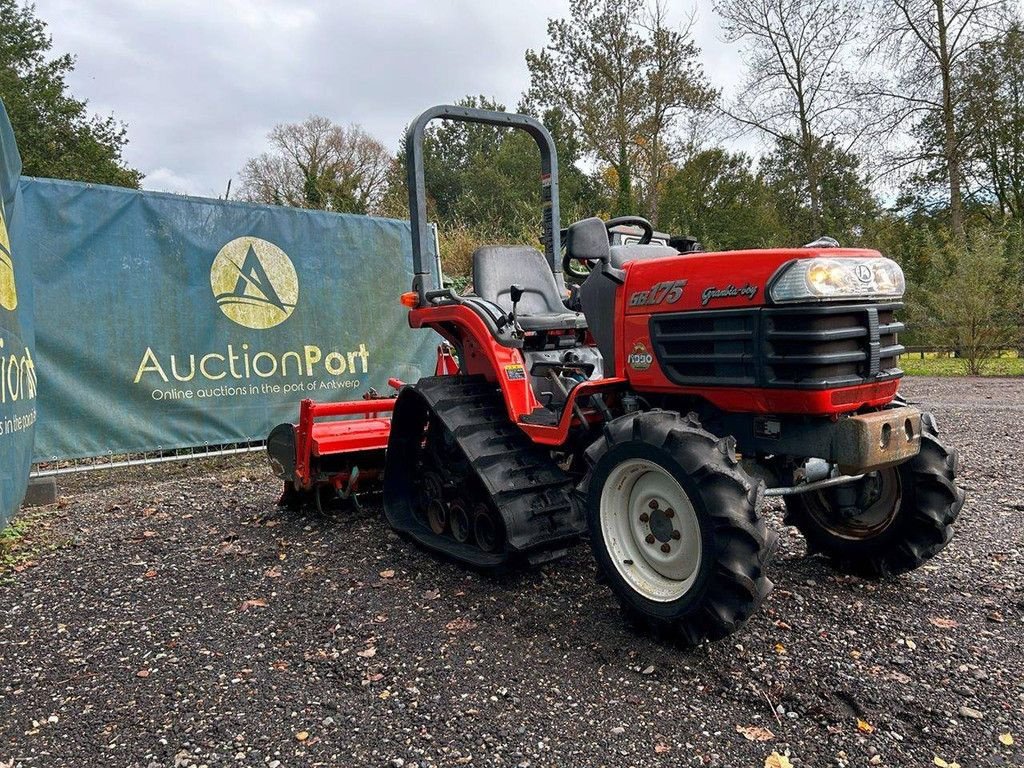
(825, 278)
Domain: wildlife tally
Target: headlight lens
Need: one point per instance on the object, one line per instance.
(822, 279)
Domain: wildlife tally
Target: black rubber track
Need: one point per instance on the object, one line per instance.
(930, 504)
(534, 497)
(737, 544)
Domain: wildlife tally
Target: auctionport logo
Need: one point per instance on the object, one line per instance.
(8, 294)
(254, 283)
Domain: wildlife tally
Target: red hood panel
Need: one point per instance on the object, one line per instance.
(721, 280)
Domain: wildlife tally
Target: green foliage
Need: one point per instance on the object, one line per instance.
(1006, 363)
(56, 136)
(487, 180)
(970, 300)
(993, 103)
(716, 197)
(25, 537)
(845, 199)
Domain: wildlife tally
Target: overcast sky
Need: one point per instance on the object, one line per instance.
(201, 82)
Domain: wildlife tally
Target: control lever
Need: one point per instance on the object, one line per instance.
(515, 292)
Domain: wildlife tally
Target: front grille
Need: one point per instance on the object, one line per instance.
(808, 346)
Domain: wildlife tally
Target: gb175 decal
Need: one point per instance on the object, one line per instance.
(668, 292)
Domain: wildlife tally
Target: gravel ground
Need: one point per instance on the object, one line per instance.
(175, 617)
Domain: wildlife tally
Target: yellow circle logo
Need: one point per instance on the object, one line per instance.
(8, 293)
(254, 283)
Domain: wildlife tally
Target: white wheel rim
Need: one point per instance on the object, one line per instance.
(640, 502)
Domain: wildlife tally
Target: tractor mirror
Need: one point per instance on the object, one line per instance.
(588, 240)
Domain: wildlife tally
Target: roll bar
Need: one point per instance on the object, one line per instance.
(423, 280)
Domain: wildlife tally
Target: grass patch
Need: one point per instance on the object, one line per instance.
(27, 535)
(942, 364)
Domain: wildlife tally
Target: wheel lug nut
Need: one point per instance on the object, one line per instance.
(665, 548)
(650, 538)
(670, 513)
(653, 504)
(677, 535)
(644, 517)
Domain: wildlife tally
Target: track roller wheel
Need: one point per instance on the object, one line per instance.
(675, 526)
(486, 528)
(459, 519)
(437, 516)
(892, 521)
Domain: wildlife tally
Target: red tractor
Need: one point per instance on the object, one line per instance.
(654, 403)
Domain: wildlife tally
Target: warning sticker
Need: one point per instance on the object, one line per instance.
(515, 372)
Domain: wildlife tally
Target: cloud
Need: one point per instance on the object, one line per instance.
(200, 83)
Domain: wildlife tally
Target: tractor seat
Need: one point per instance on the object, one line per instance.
(496, 268)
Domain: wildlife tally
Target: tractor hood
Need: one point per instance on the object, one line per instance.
(732, 279)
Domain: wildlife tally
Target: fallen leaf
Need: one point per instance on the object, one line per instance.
(388, 574)
(229, 548)
(780, 649)
(257, 602)
(302, 735)
(775, 760)
(460, 624)
(367, 653)
(661, 749)
(943, 764)
(911, 644)
(864, 726)
(755, 733)
(1006, 739)
(142, 673)
(150, 574)
(943, 623)
(782, 625)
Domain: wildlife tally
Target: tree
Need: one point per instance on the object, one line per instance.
(992, 106)
(624, 78)
(845, 199)
(317, 164)
(716, 197)
(924, 43)
(57, 138)
(981, 320)
(799, 91)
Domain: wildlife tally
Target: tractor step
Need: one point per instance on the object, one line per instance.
(515, 478)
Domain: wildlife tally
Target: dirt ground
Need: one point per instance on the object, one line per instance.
(174, 617)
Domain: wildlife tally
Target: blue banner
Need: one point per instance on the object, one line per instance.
(172, 322)
(17, 358)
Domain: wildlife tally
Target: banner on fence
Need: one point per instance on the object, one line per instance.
(17, 357)
(172, 322)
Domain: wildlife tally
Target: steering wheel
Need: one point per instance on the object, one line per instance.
(632, 221)
(571, 266)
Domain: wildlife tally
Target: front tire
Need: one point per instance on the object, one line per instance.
(675, 526)
(894, 527)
